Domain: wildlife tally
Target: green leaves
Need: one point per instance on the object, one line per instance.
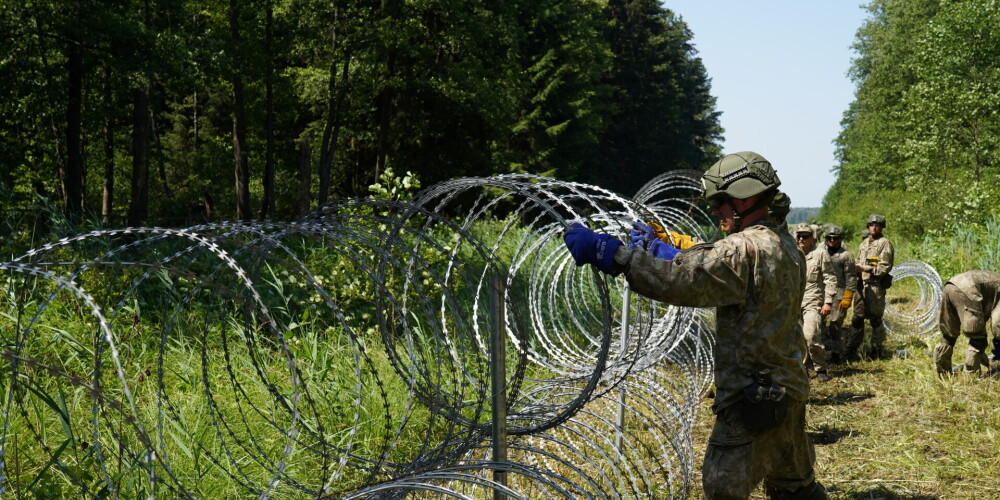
(925, 117)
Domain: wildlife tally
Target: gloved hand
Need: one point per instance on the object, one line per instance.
(682, 241)
(662, 250)
(641, 235)
(845, 303)
(589, 247)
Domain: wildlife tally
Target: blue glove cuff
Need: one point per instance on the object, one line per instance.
(606, 248)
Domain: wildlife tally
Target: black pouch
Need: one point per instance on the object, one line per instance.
(764, 404)
(886, 281)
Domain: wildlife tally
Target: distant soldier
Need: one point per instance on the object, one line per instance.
(969, 298)
(847, 283)
(874, 262)
(821, 289)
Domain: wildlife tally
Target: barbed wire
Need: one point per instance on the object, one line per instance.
(347, 354)
(905, 317)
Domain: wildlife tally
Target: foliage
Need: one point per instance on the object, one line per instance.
(956, 247)
(337, 92)
(924, 123)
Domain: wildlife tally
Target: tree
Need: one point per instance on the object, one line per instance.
(664, 116)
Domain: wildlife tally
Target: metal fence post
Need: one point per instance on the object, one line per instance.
(626, 308)
(498, 370)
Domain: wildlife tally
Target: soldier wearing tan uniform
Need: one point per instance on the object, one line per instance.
(755, 278)
(969, 299)
(817, 302)
(847, 283)
(874, 262)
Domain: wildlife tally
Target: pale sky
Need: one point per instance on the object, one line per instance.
(779, 73)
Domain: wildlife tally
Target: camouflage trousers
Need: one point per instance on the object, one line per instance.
(737, 460)
(869, 304)
(812, 328)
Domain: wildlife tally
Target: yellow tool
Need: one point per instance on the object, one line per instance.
(676, 239)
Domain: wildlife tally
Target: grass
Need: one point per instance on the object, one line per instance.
(892, 429)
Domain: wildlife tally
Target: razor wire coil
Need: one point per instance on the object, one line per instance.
(346, 354)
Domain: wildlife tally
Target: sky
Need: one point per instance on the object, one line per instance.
(779, 72)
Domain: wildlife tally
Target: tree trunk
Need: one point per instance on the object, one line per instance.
(108, 194)
(139, 203)
(305, 175)
(239, 119)
(72, 178)
(327, 146)
(267, 204)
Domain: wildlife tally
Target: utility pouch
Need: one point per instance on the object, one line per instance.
(886, 281)
(764, 403)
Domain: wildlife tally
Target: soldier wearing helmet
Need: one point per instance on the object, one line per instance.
(755, 278)
(969, 299)
(817, 302)
(847, 283)
(874, 262)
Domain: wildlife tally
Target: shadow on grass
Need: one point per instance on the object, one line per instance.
(880, 493)
(829, 435)
(850, 371)
(840, 398)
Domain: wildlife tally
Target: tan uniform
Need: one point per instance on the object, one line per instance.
(968, 299)
(847, 279)
(755, 279)
(870, 302)
(821, 288)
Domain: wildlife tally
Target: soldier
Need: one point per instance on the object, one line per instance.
(817, 302)
(847, 283)
(755, 277)
(968, 299)
(874, 263)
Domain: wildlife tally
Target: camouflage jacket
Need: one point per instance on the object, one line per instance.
(843, 269)
(980, 286)
(881, 249)
(821, 283)
(755, 280)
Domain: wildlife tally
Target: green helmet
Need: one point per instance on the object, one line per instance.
(877, 219)
(739, 175)
(835, 231)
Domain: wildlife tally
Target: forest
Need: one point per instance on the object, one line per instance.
(174, 112)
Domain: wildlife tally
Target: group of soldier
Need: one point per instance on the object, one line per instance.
(836, 281)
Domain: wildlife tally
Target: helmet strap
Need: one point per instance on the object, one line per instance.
(738, 216)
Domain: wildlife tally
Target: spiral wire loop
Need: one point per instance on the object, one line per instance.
(906, 317)
(347, 354)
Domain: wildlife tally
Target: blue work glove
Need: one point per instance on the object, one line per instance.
(589, 247)
(641, 235)
(662, 250)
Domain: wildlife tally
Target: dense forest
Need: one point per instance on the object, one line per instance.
(175, 112)
(921, 140)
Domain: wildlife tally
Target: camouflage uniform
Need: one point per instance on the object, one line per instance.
(847, 279)
(969, 298)
(755, 278)
(821, 288)
(878, 252)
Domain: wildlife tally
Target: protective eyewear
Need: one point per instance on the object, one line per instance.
(833, 238)
(803, 236)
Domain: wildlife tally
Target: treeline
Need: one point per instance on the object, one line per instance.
(170, 110)
(921, 141)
